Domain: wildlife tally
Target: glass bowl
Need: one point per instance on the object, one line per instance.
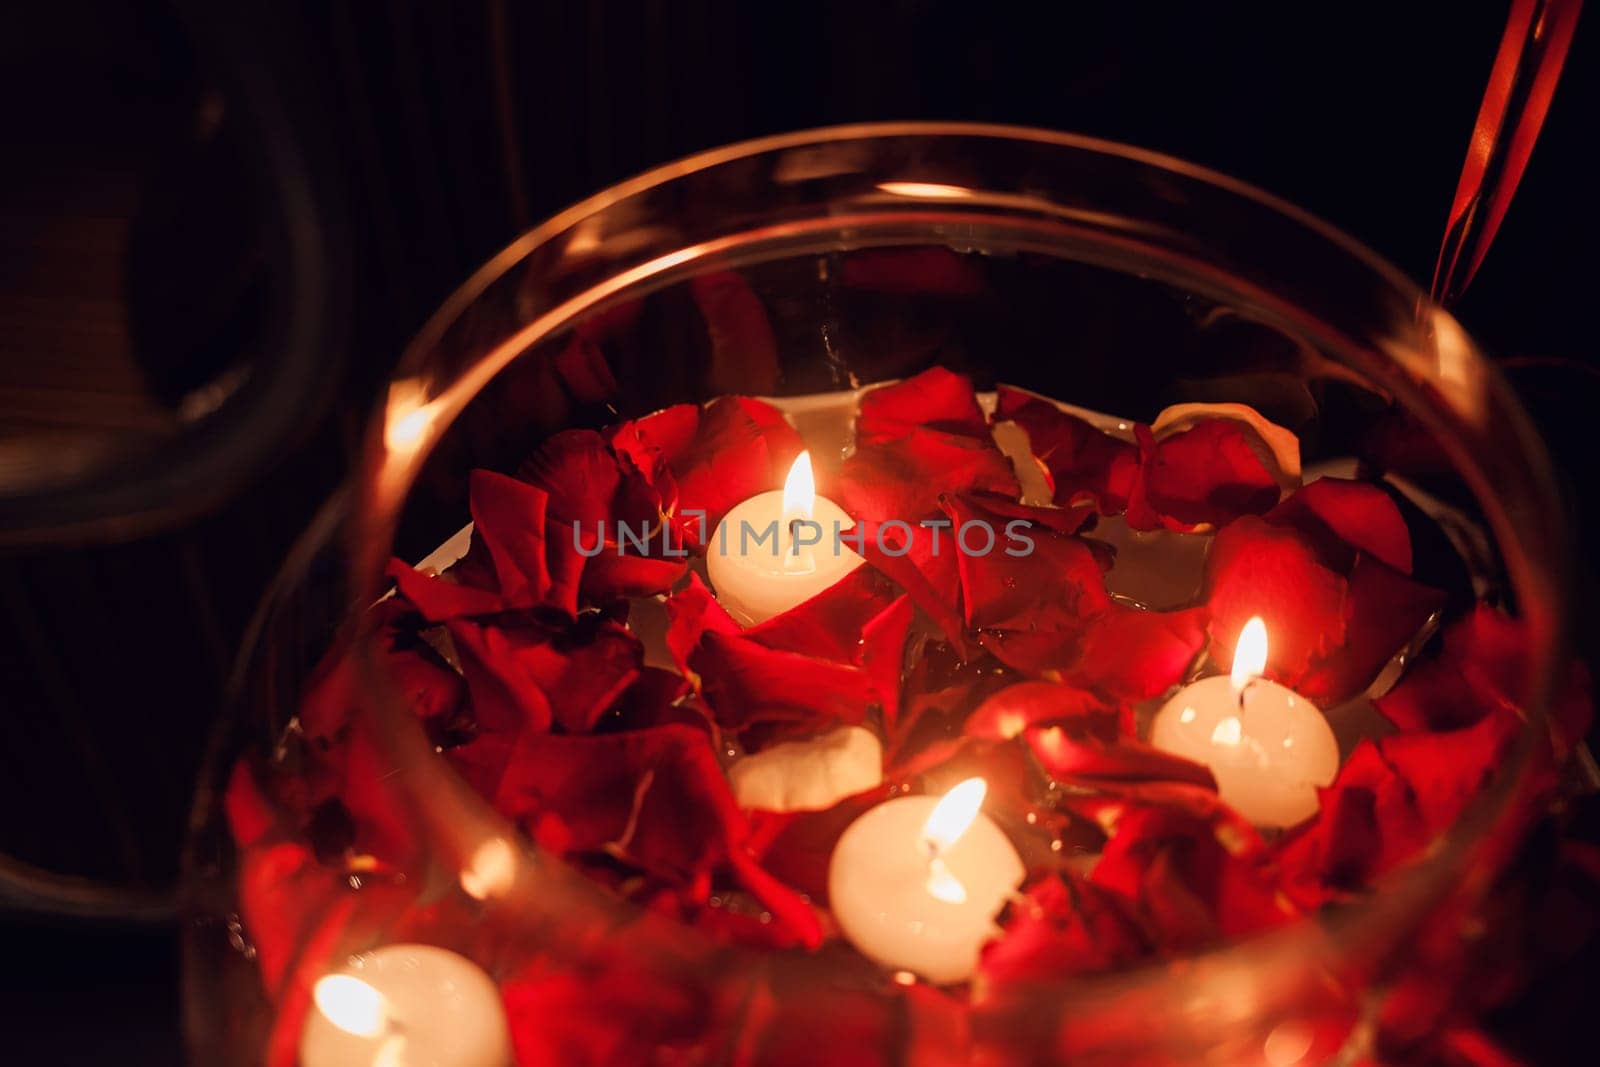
(1114, 279)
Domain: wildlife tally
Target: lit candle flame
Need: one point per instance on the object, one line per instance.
(950, 817)
(350, 1004)
(1250, 655)
(943, 885)
(799, 489)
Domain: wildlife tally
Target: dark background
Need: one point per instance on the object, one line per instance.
(141, 260)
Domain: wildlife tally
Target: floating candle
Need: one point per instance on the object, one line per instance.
(916, 882)
(1268, 747)
(406, 1006)
(809, 775)
(779, 549)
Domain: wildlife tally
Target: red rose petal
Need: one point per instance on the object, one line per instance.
(657, 697)
(707, 460)
(1059, 586)
(938, 1027)
(1083, 758)
(744, 354)
(656, 441)
(1384, 611)
(581, 671)
(692, 611)
(1340, 516)
(1206, 475)
(1315, 570)
(1057, 519)
(283, 891)
(1062, 926)
(790, 912)
(1085, 465)
(1014, 709)
(1369, 824)
(592, 500)
(431, 689)
(437, 599)
(1133, 655)
(798, 846)
(579, 472)
(936, 399)
(612, 576)
(830, 624)
(510, 517)
(1255, 568)
(506, 699)
(250, 814)
(1389, 802)
(922, 563)
(882, 654)
(748, 685)
(1483, 665)
(343, 760)
(725, 926)
(564, 1013)
(475, 568)
(1111, 800)
(903, 479)
(1446, 769)
(844, 1025)
(656, 797)
(660, 698)
(1047, 652)
(742, 447)
(366, 788)
(1467, 678)
(821, 663)
(940, 691)
(876, 483)
(1190, 889)
(585, 670)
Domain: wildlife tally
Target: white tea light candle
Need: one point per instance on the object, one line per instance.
(778, 549)
(809, 775)
(1269, 748)
(916, 882)
(406, 1006)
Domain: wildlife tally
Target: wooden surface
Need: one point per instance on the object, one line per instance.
(72, 396)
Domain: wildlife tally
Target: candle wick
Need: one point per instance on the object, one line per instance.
(797, 558)
(388, 1024)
